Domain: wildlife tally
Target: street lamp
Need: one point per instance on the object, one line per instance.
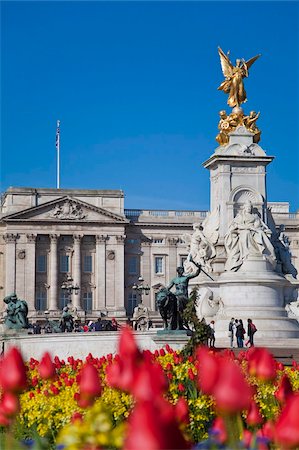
(141, 288)
(68, 287)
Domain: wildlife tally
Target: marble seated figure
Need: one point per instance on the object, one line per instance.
(247, 236)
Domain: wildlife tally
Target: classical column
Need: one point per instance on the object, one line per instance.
(172, 257)
(53, 276)
(120, 274)
(10, 262)
(100, 273)
(30, 272)
(77, 270)
(146, 271)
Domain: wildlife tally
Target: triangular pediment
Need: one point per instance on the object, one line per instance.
(65, 209)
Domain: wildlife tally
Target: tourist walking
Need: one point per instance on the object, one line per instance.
(251, 330)
(231, 331)
(240, 332)
(211, 339)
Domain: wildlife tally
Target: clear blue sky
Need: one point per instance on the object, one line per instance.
(135, 87)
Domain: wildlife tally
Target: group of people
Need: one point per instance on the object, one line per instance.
(236, 332)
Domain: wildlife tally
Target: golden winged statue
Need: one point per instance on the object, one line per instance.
(233, 83)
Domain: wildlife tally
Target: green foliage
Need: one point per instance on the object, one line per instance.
(200, 330)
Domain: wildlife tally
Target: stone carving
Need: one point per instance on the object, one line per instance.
(167, 305)
(247, 236)
(31, 238)
(22, 254)
(101, 238)
(16, 312)
(10, 237)
(293, 310)
(282, 250)
(141, 318)
(237, 121)
(181, 291)
(111, 255)
(202, 243)
(233, 83)
(69, 210)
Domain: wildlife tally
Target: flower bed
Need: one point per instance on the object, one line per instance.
(149, 401)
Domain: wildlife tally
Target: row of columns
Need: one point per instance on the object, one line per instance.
(111, 287)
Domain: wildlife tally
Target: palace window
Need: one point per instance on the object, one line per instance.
(132, 303)
(41, 299)
(64, 299)
(132, 269)
(87, 301)
(41, 263)
(87, 263)
(64, 263)
(159, 265)
(183, 259)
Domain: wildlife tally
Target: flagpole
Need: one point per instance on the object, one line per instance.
(58, 153)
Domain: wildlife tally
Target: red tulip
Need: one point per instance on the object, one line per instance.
(267, 431)
(4, 420)
(261, 364)
(231, 391)
(150, 381)
(219, 431)
(287, 425)
(254, 416)
(9, 404)
(154, 427)
(13, 371)
(208, 369)
(181, 387)
(46, 367)
(247, 438)
(191, 374)
(90, 385)
(284, 389)
(182, 410)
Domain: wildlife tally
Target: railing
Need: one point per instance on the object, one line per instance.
(130, 213)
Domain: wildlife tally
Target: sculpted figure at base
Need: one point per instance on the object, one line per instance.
(282, 251)
(141, 317)
(202, 244)
(181, 291)
(247, 236)
(16, 312)
(66, 321)
(229, 123)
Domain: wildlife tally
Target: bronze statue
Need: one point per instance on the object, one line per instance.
(16, 312)
(167, 305)
(181, 291)
(233, 83)
(66, 321)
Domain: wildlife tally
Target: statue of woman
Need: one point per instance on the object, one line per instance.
(247, 236)
(233, 84)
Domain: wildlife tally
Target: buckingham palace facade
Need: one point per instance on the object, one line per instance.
(49, 236)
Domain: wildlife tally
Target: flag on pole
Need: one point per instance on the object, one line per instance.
(58, 153)
(58, 134)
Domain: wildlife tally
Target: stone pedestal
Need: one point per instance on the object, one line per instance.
(256, 291)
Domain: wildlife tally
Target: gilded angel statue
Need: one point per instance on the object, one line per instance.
(202, 243)
(233, 83)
